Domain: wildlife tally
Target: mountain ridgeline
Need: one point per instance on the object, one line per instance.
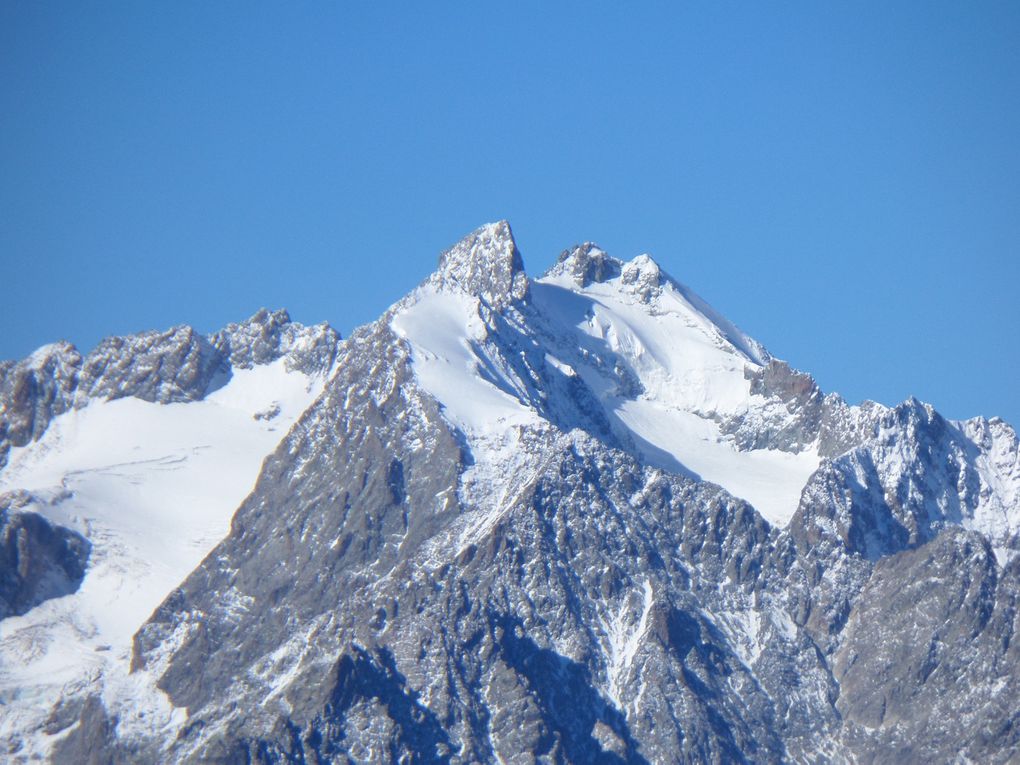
(579, 518)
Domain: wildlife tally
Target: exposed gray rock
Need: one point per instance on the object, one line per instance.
(268, 336)
(586, 263)
(486, 263)
(34, 391)
(917, 475)
(795, 415)
(643, 276)
(504, 637)
(93, 740)
(163, 367)
(928, 666)
(39, 560)
(353, 561)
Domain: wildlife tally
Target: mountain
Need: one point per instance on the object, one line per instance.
(580, 518)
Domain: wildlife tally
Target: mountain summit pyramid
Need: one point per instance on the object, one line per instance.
(486, 263)
(579, 518)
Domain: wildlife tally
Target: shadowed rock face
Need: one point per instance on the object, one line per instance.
(38, 559)
(500, 637)
(391, 591)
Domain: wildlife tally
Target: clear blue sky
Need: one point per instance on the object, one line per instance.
(840, 179)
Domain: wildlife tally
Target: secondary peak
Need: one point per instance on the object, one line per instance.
(586, 263)
(643, 276)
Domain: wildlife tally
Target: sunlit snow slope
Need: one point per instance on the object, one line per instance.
(153, 487)
(690, 364)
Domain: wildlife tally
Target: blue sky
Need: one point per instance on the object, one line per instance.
(842, 180)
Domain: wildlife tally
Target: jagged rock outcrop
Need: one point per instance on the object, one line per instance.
(39, 560)
(928, 666)
(792, 413)
(34, 391)
(270, 335)
(587, 263)
(486, 263)
(918, 474)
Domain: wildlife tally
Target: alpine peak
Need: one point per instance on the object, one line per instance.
(644, 276)
(583, 517)
(485, 263)
(586, 263)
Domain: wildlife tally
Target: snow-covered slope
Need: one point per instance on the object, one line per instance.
(491, 539)
(692, 368)
(153, 487)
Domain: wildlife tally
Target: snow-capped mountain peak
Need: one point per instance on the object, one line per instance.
(650, 365)
(486, 264)
(582, 517)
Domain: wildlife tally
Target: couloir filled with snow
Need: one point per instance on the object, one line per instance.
(153, 487)
(664, 366)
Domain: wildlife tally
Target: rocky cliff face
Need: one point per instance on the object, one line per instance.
(496, 537)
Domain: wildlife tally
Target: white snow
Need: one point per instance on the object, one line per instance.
(680, 357)
(489, 488)
(997, 514)
(743, 630)
(690, 364)
(1003, 555)
(153, 487)
(445, 332)
(624, 630)
(783, 623)
(46, 353)
(771, 480)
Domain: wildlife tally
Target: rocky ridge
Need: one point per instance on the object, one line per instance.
(39, 560)
(169, 366)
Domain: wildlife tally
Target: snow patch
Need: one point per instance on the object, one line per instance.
(623, 634)
(676, 440)
(743, 630)
(675, 368)
(663, 365)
